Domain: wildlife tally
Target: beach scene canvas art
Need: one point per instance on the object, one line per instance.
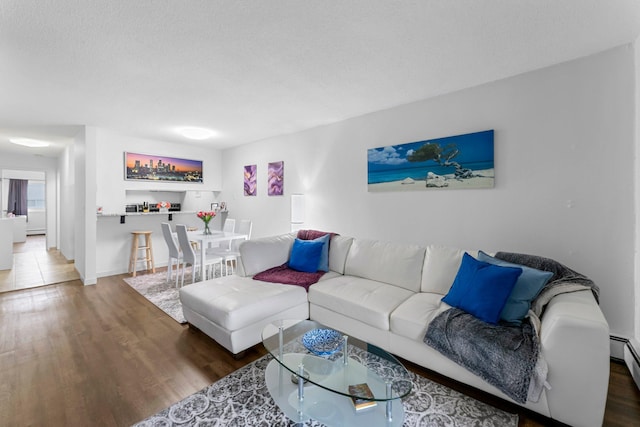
(460, 161)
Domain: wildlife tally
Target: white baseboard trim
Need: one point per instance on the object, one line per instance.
(123, 271)
(628, 352)
(617, 345)
(633, 363)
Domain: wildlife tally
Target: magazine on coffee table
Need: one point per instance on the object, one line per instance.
(361, 396)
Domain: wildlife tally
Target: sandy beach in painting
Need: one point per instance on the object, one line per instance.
(485, 181)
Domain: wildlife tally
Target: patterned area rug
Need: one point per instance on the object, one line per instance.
(163, 294)
(242, 399)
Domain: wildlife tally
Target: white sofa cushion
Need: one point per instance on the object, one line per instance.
(329, 275)
(366, 300)
(338, 250)
(394, 263)
(234, 302)
(258, 255)
(411, 318)
(441, 264)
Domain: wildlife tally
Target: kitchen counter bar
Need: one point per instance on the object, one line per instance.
(113, 237)
(151, 213)
(144, 213)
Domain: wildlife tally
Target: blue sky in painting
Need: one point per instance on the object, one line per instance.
(390, 163)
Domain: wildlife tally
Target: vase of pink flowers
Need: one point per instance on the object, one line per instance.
(163, 207)
(206, 217)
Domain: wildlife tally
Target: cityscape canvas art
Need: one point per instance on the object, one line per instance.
(250, 180)
(275, 179)
(453, 162)
(147, 167)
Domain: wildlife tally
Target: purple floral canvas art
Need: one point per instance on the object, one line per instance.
(250, 180)
(276, 178)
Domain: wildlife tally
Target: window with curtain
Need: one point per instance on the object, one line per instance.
(18, 196)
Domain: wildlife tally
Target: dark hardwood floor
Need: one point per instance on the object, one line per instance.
(73, 355)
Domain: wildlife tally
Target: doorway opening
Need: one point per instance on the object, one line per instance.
(33, 263)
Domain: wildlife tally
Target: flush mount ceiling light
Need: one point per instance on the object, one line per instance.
(196, 132)
(28, 142)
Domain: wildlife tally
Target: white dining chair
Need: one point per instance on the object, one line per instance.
(174, 252)
(229, 226)
(189, 256)
(231, 254)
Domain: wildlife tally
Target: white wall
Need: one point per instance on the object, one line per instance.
(37, 222)
(81, 250)
(20, 165)
(636, 338)
(67, 203)
(114, 192)
(113, 188)
(564, 150)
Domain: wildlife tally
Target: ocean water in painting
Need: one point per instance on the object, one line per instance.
(390, 163)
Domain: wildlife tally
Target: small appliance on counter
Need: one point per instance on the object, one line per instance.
(175, 207)
(145, 207)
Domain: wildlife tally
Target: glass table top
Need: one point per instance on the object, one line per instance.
(319, 353)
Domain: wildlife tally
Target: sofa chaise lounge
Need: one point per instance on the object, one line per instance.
(387, 294)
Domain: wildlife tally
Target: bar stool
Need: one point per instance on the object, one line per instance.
(137, 245)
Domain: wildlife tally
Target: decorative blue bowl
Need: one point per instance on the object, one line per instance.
(322, 342)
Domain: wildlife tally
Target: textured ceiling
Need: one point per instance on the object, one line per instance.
(256, 69)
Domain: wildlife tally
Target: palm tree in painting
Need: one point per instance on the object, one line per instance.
(442, 156)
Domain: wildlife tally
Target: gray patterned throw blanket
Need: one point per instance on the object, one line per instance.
(504, 355)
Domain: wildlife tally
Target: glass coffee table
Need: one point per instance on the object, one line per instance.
(319, 373)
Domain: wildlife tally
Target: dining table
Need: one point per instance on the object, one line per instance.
(216, 236)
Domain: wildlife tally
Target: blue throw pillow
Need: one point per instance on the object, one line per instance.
(482, 289)
(305, 255)
(526, 289)
(323, 265)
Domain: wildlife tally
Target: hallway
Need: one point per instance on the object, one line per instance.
(34, 266)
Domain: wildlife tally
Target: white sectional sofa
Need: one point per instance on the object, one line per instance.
(386, 294)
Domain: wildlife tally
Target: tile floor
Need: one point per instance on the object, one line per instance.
(34, 265)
